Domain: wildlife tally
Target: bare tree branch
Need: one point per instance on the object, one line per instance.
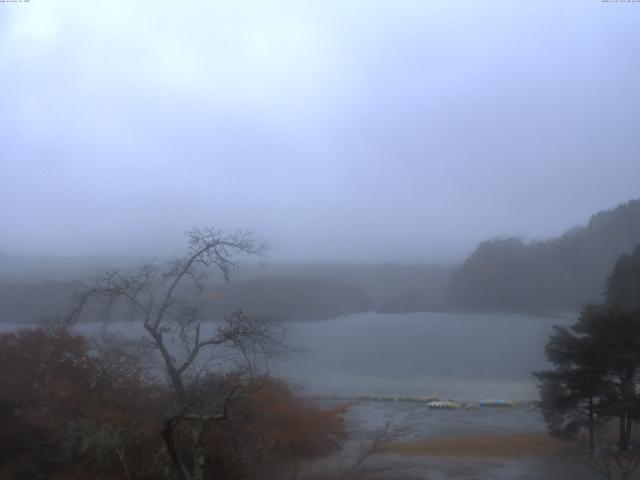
(377, 444)
(155, 293)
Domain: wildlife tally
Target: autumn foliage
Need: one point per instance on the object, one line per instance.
(67, 409)
(275, 432)
(70, 409)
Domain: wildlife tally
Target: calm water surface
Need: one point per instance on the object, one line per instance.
(465, 357)
(452, 355)
(460, 356)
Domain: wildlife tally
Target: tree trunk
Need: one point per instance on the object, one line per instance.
(198, 463)
(295, 467)
(591, 423)
(178, 464)
(623, 439)
(198, 452)
(627, 394)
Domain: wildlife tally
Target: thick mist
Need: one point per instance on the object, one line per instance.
(337, 131)
(319, 240)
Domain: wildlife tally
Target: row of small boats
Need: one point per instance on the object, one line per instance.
(431, 402)
(450, 404)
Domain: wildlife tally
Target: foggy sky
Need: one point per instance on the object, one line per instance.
(336, 130)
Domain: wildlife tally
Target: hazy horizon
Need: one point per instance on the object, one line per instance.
(269, 260)
(336, 131)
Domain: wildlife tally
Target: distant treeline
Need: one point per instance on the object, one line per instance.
(564, 272)
(288, 298)
(501, 274)
(288, 292)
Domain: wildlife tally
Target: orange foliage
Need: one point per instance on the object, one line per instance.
(274, 431)
(68, 412)
(289, 428)
(58, 403)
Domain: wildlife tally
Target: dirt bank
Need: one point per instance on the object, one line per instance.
(518, 445)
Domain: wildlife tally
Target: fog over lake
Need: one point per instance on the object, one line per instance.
(463, 356)
(267, 239)
(421, 354)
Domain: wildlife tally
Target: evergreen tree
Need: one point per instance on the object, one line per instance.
(570, 395)
(623, 286)
(597, 366)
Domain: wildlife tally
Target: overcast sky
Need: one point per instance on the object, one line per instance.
(335, 129)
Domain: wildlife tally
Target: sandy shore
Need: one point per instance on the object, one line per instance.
(509, 446)
(479, 444)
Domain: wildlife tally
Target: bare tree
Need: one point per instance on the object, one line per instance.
(375, 445)
(173, 319)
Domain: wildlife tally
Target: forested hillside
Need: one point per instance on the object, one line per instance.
(564, 272)
(34, 290)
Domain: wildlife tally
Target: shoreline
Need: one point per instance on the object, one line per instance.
(487, 446)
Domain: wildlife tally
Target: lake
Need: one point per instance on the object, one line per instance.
(461, 356)
(465, 357)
